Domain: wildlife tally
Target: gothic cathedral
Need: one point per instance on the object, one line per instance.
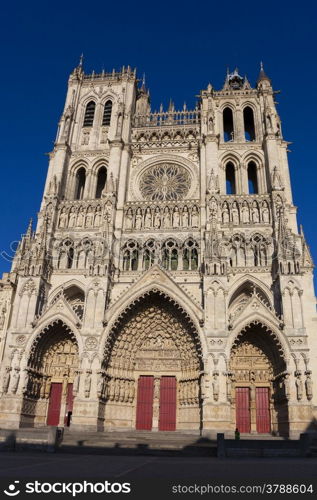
(166, 286)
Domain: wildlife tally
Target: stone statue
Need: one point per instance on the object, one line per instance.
(287, 389)
(148, 219)
(129, 219)
(215, 386)
(72, 217)
(67, 117)
(210, 124)
(63, 219)
(110, 187)
(2, 317)
(131, 391)
(166, 218)
(80, 218)
(52, 187)
(138, 219)
(265, 214)
(87, 384)
(157, 382)
(299, 387)
(15, 380)
(213, 183)
(268, 121)
(245, 213)
(235, 214)
(6, 379)
(97, 218)
(89, 217)
(176, 218)
(119, 124)
(213, 208)
(157, 218)
(195, 217)
(255, 213)
(25, 382)
(276, 179)
(100, 385)
(185, 217)
(225, 215)
(229, 381)
(309, 387)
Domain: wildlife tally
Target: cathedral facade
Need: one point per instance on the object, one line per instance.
(166, 285)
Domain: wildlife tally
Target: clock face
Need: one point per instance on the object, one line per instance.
(165, 182)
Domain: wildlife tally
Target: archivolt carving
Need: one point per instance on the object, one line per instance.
(149, 294)
(53, 357)
(271, 338)
(250, 363)
(153, 335)
(54, 331)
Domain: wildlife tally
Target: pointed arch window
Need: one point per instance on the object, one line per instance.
(170, 255)
(230, 179)
(148, 254)
(80, 183)
(106, 119)
(66, 256)
(101, 181)
(89, 114)
(190, 256)
(228, 130)
(130, 256)
(248, 120)
(252, 178)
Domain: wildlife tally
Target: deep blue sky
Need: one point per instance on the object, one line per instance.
(180, 46)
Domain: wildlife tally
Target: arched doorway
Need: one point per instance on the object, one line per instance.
(48, 388)
(152, 368)
(259, 389)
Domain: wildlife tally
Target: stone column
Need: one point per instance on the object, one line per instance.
(156, 404)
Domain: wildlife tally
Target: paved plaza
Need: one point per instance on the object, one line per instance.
(144, 472)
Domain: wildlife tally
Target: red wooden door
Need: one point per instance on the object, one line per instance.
(263, 420)
(69, 403)
(54, 405)
(144, 409)
(243, 409)
(167, 420)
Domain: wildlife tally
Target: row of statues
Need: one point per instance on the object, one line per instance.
(188, 392)
(108, 388)
(80, 216)
(238, 212)
(284, 383)
(123, 389)
(243, 212)
(162, 218)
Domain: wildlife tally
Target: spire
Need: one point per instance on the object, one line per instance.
(262, 74)
(28, 233)
(281, 233)
(171, 106)
(44, 235)
(143, 82)
(78, 70)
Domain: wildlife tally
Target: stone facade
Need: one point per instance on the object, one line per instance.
(166, 246)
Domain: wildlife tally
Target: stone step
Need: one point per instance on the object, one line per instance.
(138, 442)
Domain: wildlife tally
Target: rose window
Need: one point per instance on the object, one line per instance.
(165, 182)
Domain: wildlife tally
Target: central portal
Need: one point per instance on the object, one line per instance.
(164, 397)
(153, 366)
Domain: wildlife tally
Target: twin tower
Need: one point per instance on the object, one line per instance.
(166, 285)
